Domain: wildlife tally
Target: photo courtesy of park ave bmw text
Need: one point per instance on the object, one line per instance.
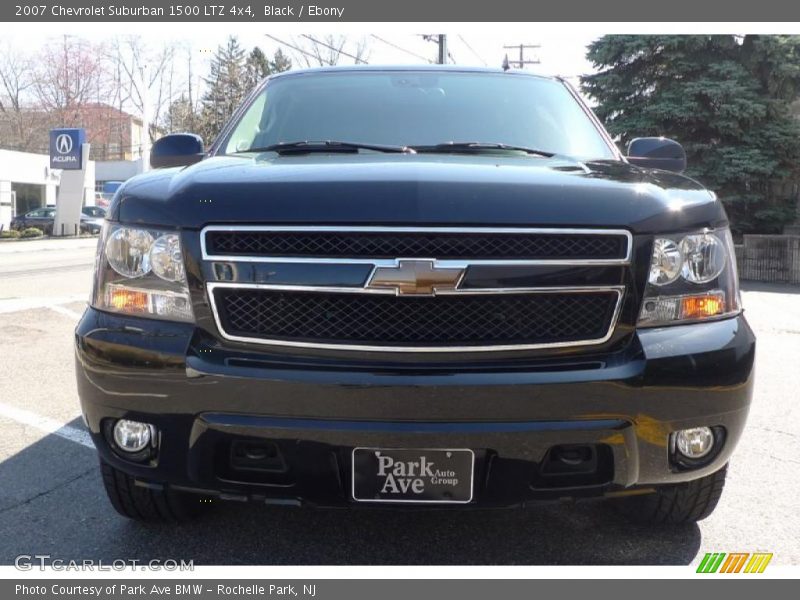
(366, 299)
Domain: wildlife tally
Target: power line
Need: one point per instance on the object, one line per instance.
(335, 49)
(296, 48)
(414, 54)
(478, 56)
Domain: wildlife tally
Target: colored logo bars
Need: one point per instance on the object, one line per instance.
(734, 562)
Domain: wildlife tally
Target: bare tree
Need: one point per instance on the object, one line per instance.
(146, 77)
(328, 50)
(16, 84)
(70, 74)
(72, 82)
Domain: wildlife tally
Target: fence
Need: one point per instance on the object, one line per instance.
(769, 258)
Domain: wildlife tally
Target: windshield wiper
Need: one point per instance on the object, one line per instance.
(479, 147)
(308, 146)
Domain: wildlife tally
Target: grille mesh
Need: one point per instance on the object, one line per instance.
(338, 244)
(367, 319)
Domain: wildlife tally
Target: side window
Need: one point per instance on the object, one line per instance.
(36, 213)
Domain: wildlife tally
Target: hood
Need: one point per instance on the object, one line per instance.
(421, 189)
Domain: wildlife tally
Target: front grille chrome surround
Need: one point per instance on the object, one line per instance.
(618, 290)
(443, 263)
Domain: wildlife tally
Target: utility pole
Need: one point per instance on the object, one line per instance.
(442, 49)
(146, 116)
(441, 41)
(522, 47)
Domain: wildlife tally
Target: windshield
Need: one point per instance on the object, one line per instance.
(407, 108)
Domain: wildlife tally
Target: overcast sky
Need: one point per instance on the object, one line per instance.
(559, 54)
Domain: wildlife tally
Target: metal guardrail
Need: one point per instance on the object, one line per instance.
(769, 258)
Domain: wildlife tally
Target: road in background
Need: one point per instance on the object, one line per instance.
(45, 272)
(52, 501)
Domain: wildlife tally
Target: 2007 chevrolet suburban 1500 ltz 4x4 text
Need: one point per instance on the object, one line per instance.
(414, 287)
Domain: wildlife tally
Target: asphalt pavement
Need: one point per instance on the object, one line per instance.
(52, 500)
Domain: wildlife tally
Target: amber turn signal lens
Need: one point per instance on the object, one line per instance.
(699, 307)
(126, 300)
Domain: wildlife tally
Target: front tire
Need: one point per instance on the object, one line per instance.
(678, 504)
(147, 504)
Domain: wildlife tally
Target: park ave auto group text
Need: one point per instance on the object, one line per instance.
(180, 10)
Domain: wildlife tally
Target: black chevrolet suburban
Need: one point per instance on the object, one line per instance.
(414, 287)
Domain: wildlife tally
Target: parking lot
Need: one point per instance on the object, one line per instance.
(52, 501)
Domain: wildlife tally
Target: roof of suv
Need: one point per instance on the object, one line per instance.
(402, 68)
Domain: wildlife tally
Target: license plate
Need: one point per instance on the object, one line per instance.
(413, 475)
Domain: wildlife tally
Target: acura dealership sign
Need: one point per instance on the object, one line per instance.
(65, 148)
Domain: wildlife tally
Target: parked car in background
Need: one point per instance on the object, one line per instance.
(92, 218)
(43, 218)
(95, 212)
(103, 198)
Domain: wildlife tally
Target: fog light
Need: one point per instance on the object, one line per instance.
(694, 443)
(132, 436)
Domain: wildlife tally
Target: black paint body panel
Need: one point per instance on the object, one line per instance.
(623, 397)
(200, 397)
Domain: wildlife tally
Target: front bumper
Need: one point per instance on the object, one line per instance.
(202, 398)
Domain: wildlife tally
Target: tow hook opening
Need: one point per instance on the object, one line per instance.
(257, 455)
(574, 465)
(252, 460)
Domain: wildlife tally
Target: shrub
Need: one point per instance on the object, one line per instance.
(31, 232)
(10, 234)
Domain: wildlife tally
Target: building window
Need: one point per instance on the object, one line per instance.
(29, 197)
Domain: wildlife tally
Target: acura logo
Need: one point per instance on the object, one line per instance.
(64, 143)
(416, 278)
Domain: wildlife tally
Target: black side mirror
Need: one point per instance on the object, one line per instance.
(177, 150)
(657, 153)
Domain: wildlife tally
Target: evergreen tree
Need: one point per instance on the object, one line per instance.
(226, 88)
(257, 67)
(725, 98)
(280, 62)
(180, 116)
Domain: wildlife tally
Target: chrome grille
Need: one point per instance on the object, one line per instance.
(376, 319)
(363, 316)
(393, 242)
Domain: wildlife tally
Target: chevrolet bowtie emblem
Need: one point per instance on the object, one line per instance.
(416, 278)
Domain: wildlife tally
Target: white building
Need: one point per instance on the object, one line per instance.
(27, 182)
(116, 170)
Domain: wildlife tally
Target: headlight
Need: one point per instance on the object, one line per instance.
(140, 272)
(667, 262)
(704, 257)
(128, 251)
(692, 277)
(166, 259)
